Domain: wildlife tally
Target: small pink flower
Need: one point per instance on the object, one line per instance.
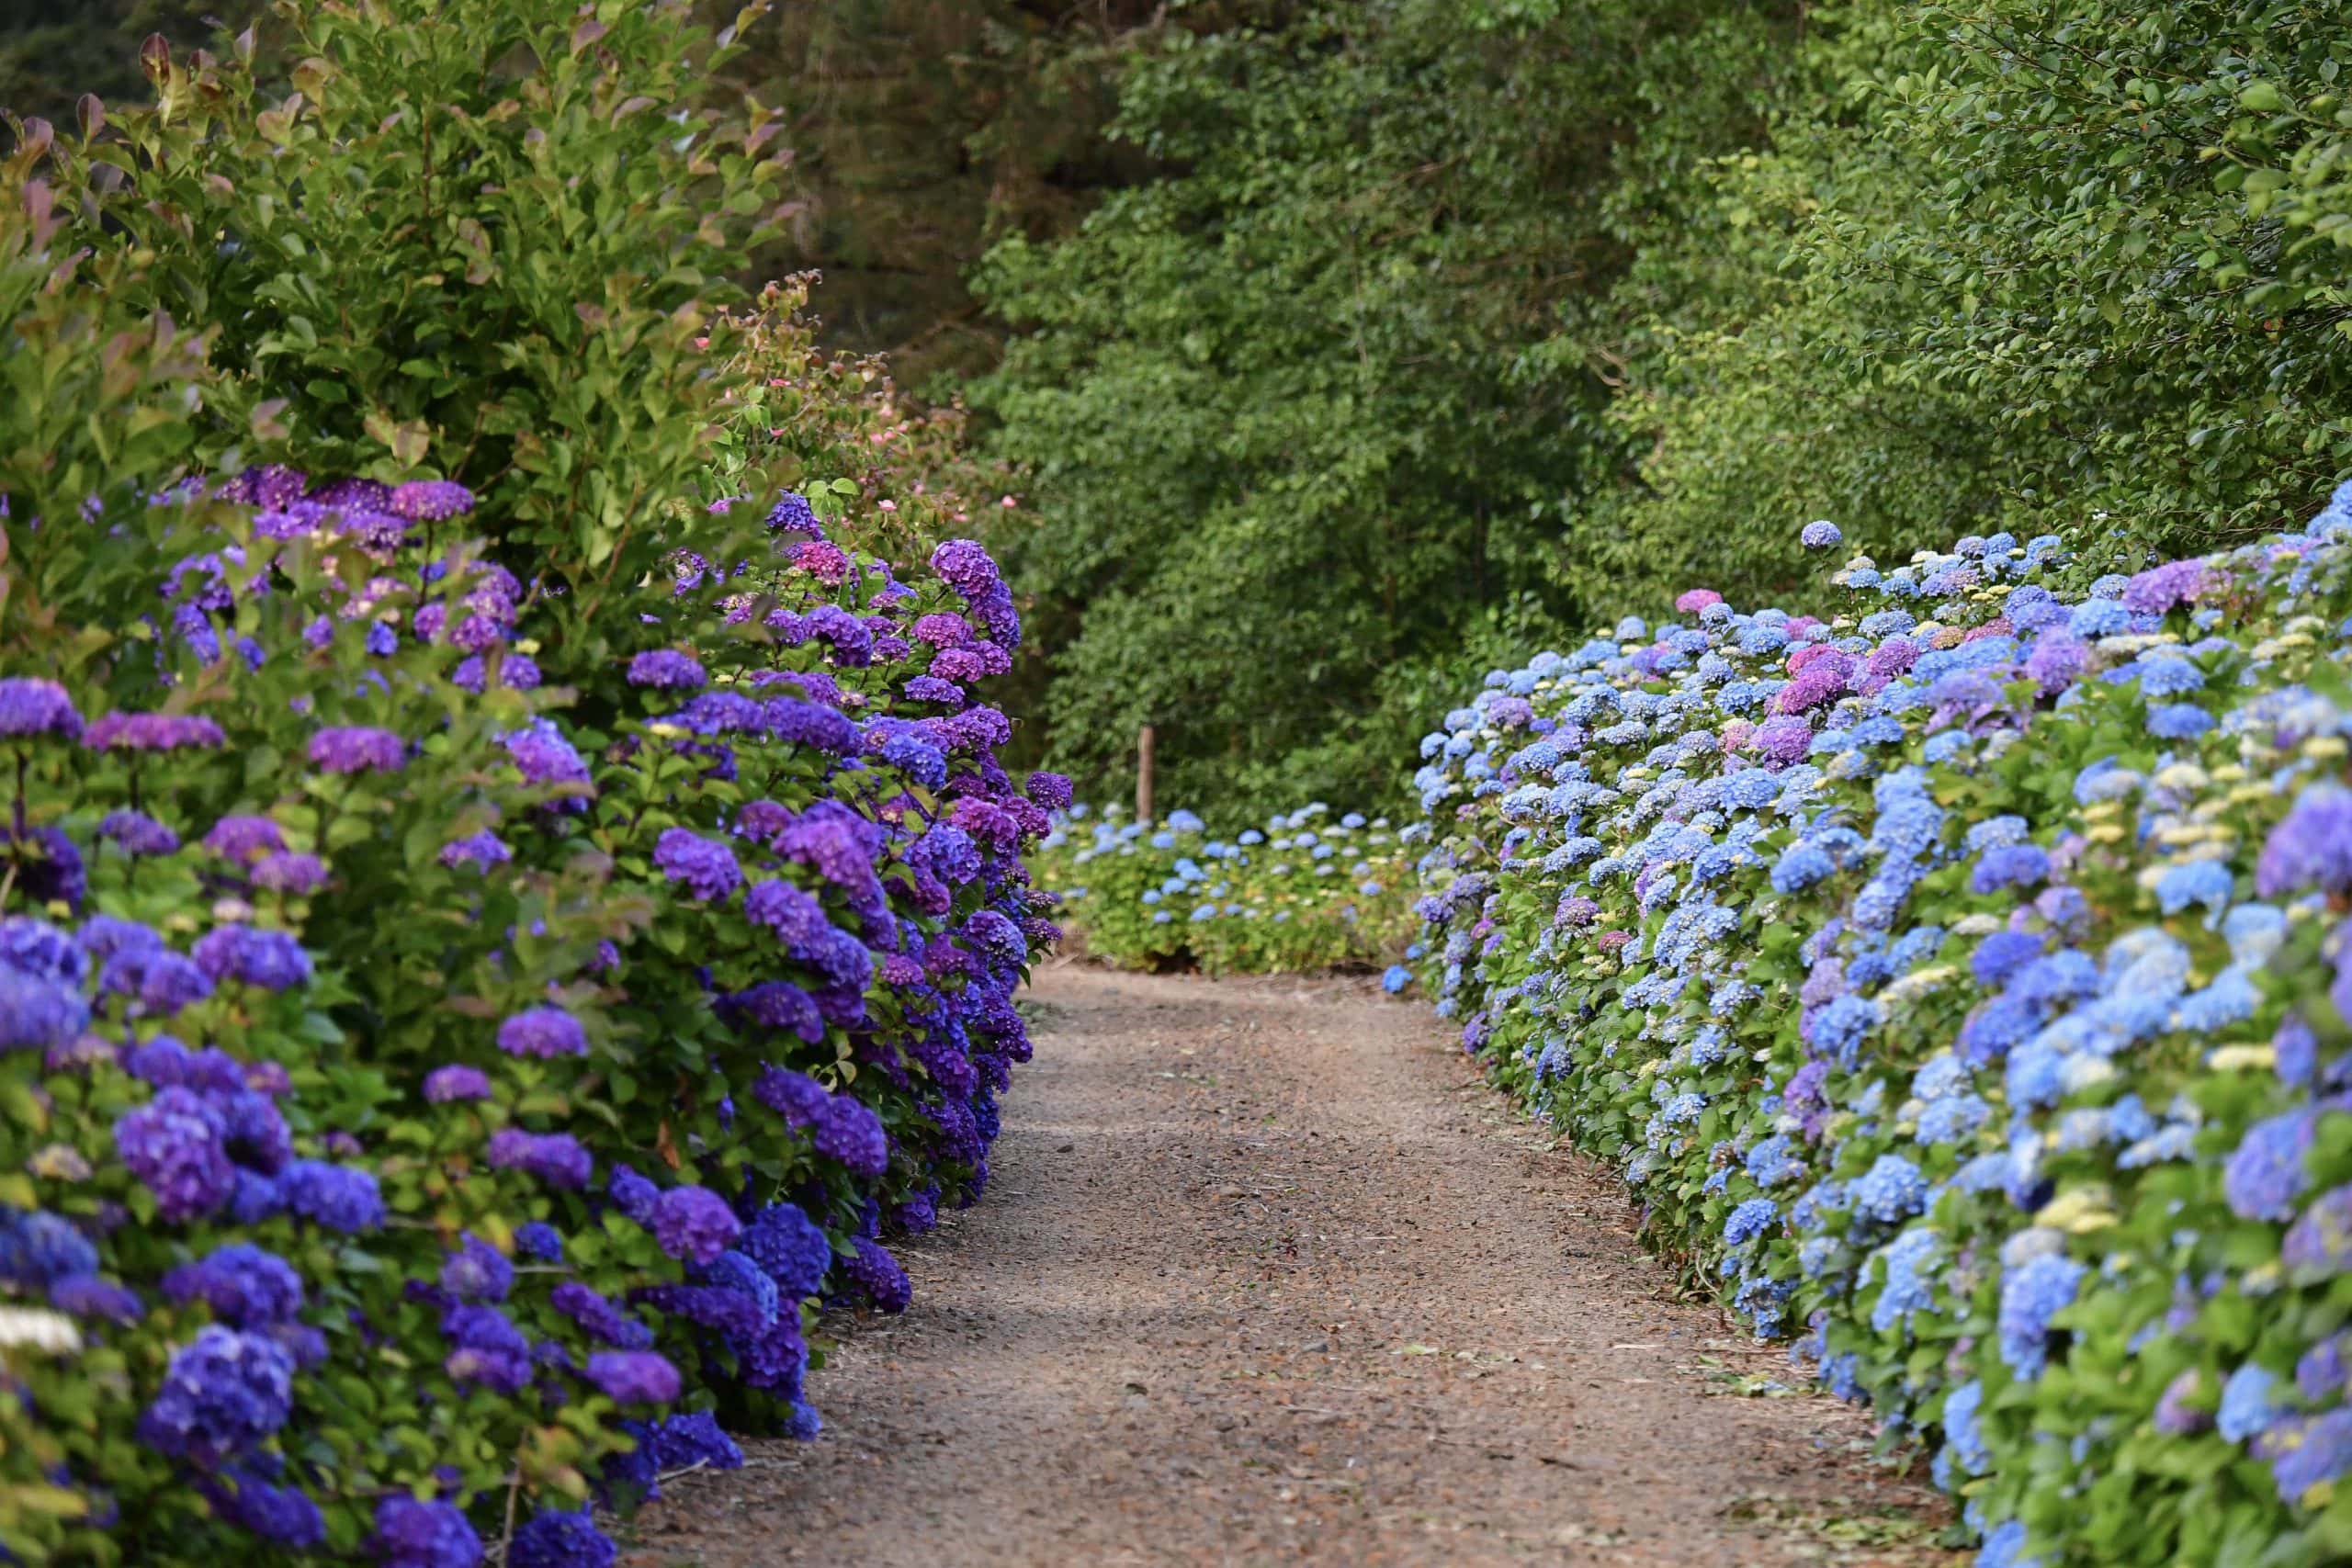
(889, 505)
(1691, 600)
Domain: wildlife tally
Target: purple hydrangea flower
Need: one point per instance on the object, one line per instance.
(784, 1241)
(429, 501)
(694, 1223)
(553, 1538)
(412, 1533)
(174, 1145)
(2310, 847)
(479, 851)
(2320, 1241)
(224, 1394)
(666, 670)
(876, 1275)
(706, 868)
(153, 732)
(456, 1082)
(31, 705)
(476, 1271)
(244, 839)
(543, 1032)
(356, 749)
(342, 1198)
(1821, 535)
(2265, 1174)
(138, 833)
(556, 1158)
(272, 960)
(634, 1377)
(299, 875)
(245, 1286)
(537, 1240)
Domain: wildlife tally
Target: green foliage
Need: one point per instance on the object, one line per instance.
(2033, 264)
(1276, 402)
(549, 220)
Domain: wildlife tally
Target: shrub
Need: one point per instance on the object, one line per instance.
(1957, 976)
(460, 1027)
(1305, 892)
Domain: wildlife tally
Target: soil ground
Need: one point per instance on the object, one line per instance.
(1267, 1275)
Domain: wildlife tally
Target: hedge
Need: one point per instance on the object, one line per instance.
(1959, 974)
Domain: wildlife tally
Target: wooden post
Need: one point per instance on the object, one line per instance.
(1143, 775)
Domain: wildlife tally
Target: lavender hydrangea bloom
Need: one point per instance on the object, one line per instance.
(556, 1158)
(634, 1377)
(31, 707)
(412, 1533)
(2306, 1454)
(476, 1271)
(172, 1144)
(356, 749)
(224, 1394)
(2310, 847)
(543, 1032)
(245, 1286)
(667, 669)
(2267, 1174)
(342, 1198)
(785, 1243)
(554, 1538)
(877, 1276)
(706, 866)
(1821, 534)
(456, 1082)
(2320, 1241)
(478, 851)
(272, 960)
(138, 833)
(694, 1223)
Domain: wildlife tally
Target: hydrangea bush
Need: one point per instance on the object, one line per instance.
(1959, 975)
(425, 1115)
(1306, 891)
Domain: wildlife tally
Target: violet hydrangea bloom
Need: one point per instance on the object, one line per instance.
(707, 868)
(456, 1082)
(2310, 847)
(543, 1032)
(153, 732)
(224, 1394)
(694, 1223)
(478, 851)
(138, 833)
(555, 1539)
(172, 1144)
(356, 749)
(634, 1377)
(666, 670)
(412, 1533)
(429, 501)
(556, 1158)
(244, 839)
(31, 707)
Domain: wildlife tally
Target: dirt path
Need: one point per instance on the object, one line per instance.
(1268, 1276)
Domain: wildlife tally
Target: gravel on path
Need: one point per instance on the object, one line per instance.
(1266, 1274)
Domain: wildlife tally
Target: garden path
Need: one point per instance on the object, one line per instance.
(1267, 1274)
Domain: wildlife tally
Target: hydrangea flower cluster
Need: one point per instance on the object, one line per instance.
(1962, 973)
(1307, 890)
(369, 1028)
